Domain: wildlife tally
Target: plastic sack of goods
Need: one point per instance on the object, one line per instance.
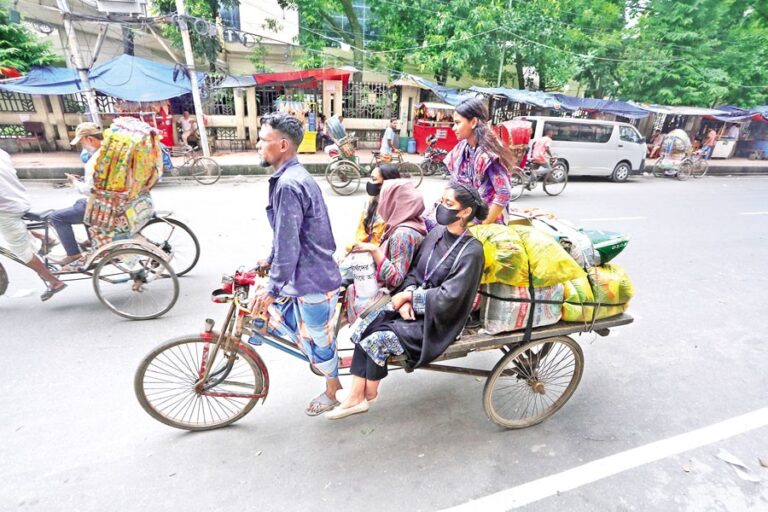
(607, 285)
(510, 251)
(500, 314)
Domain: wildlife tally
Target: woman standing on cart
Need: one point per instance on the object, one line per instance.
(433, 306)
(480, 159)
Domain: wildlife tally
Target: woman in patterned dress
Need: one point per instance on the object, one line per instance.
(480, 159)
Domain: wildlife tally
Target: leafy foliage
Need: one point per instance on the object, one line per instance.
(20, 48)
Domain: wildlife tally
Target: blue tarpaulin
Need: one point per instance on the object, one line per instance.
(126, 77)
(448, 95)
(535, 98)
(613, 107)
(740, 115)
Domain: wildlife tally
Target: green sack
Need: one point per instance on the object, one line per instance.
(608, 244)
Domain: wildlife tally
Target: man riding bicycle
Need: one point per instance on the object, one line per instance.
(542, 152)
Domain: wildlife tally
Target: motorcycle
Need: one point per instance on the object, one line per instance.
(434, 159)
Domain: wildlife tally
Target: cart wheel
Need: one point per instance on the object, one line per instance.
(532, 382)
(345, 178)
(685, 170)
(516, 183)
(176, 240)
(206, 171)
(165, 385)
(700, 168)
(658, 168)
(3, 280)
(412, 172)
(556, 179)
(135, 284)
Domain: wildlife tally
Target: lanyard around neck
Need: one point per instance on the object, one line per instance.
(428, 273)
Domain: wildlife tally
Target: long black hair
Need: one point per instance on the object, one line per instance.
(388, 172)
(475, 108)
(469, 197)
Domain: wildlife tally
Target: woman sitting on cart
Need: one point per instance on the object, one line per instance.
(480, 159)
(401, 208)
(430, 312)
(371, 225)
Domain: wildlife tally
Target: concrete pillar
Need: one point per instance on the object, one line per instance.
(328, 89)
(337, 96)
(41, 111)
(240, 112)
(253, 115)
(409, 100)
(58, 117)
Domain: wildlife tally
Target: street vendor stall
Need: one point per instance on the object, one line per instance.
(434, 119)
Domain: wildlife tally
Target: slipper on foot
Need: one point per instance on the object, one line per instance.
(320, 404)
(50, 292)
(343, 412)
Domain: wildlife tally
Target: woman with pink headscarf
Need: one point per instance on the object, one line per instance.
(401, 207)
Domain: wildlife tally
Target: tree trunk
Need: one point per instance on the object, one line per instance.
(520, 71)
(357, 39)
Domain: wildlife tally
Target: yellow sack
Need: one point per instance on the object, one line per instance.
(510, 250)
(610, 284)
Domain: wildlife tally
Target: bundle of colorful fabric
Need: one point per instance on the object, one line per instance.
(127, 167)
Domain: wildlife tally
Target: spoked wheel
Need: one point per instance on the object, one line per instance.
(345, 178)
(532, 382)
(700, 167)
(428, 167)
(135, 284)
(556, 179)
(516, 183)
(658, 168)
(168, 388)
(685, 170)
(3, 280)
(206, 171)
(176, 240)
(412, 172)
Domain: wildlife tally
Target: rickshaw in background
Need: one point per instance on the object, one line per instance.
(516, 135)
(344, 172)
(133, 260)
(677, 158)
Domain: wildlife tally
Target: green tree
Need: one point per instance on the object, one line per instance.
(20, 48)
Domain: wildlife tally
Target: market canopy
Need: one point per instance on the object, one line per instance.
(237, 81)
(449, 95)
(679, 111)
(127, 77)
(303, 78)
(740, 115)
(613, 107)
(535, 98)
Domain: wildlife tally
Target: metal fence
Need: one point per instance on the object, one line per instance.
(16, 102)
(265, 98)
(77, 104)
(370, 100)
(11, 131)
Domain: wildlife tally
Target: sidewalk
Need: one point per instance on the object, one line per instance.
(53, 165)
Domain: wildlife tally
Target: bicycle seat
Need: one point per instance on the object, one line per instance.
(37, 216)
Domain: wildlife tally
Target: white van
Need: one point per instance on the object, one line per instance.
(593, 148)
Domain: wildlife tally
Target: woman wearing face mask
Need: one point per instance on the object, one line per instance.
(433, 306)
(480, 159)
(371, 226)
(400, 207)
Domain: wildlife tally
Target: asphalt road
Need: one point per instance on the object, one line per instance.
(74, 438)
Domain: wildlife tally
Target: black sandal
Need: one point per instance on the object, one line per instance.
(50, 292)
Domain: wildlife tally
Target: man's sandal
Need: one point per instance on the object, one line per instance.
(50, 292)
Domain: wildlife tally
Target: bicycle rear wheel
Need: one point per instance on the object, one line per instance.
(700, 167)
(206, 171)
(658, 168)
(556, 179)
(135, 284)
(175, 239)
(3, 280)
(345, 178)
(685, 170)
(412, 172)
(516, 183)
(166, 381)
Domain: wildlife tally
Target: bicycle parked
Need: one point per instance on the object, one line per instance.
(554, 180)
(203, 169)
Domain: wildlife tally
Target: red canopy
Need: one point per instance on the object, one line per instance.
(303, 78)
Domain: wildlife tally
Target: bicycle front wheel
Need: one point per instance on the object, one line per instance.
(556, 179)
(135, 284)
(700, 167)
(412, 172)
(658, 168)
(345, 178)
(516, 183)
(685, 170)
(206, 171)
(175, 239)
(167, 385)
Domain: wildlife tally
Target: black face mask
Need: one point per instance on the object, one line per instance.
(446, 216)
(372, 188)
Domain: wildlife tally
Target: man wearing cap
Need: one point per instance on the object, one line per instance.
(89, 135)
(14, 203)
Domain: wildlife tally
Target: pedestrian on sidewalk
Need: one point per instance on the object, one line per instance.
(709, 143)
(300, 301)
(14, 203)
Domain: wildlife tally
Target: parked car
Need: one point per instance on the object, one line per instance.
(593, 148)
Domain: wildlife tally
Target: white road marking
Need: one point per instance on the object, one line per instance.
(615, 218)
(753, 213)
(613, 464)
